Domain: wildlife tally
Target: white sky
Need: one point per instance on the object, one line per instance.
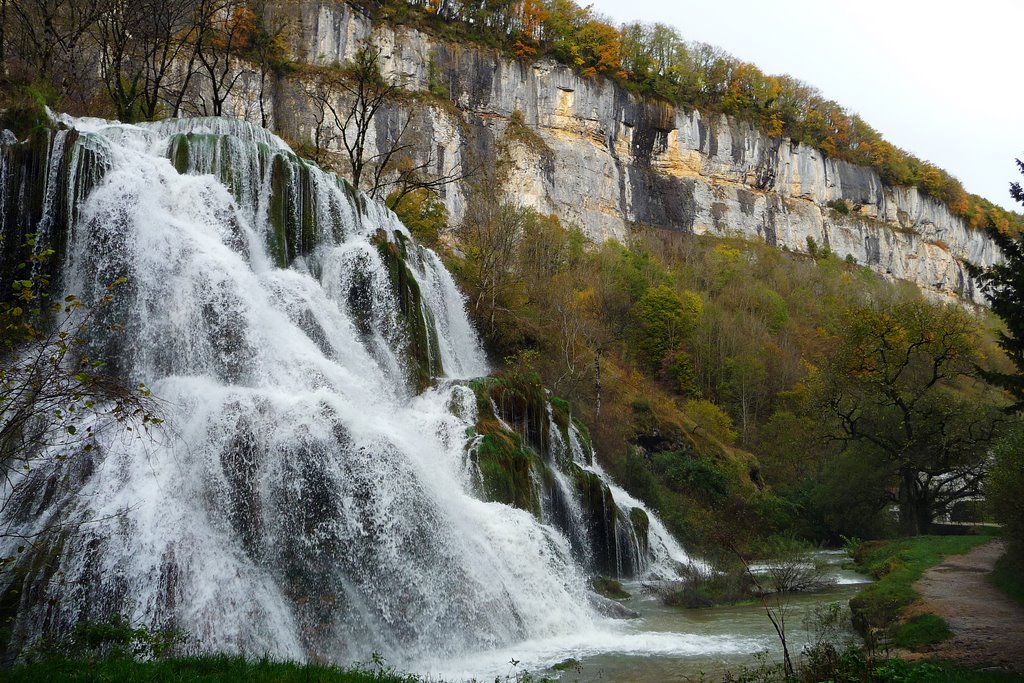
(943, 79)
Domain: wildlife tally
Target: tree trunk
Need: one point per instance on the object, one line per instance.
(915, 505)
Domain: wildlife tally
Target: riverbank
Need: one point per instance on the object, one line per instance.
(936, 599)
(896, 565)
(986, 626)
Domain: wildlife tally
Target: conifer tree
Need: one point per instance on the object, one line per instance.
(1003, 285)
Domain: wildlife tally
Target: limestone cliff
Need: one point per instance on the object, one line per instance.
(603, 159)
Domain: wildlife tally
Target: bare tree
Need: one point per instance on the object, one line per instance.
(164, 33)
(268, 48)
(224, 28)
(347, 103)
(50, 35)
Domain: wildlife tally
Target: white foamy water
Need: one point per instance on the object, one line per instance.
(302, 501)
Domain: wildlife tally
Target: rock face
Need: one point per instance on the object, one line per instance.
(603, 159)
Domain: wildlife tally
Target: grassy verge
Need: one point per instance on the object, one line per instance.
(899, 671)
(897, 565)
(203, 669)
(1008, 576)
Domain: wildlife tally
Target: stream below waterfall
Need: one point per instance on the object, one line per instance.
(667, 643)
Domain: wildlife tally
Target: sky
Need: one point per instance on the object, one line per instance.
(942, 79)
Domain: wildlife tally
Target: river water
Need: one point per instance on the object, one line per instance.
(668, 643)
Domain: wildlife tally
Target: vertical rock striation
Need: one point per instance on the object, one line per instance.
(608, 159)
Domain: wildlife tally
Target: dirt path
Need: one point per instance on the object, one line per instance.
(988, 627)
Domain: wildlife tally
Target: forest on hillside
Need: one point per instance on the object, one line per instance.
(735, 387)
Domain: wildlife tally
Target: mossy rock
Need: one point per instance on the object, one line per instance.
(420, 331)
(641, 527)
(609, 588)
(570, 664)
(522, 403)
(507, 471)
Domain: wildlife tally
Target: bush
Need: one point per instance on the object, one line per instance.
(693, 475)
(710, 419)
(701, 588)
(1005, 487)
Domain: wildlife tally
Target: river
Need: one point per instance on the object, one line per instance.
(667, 643)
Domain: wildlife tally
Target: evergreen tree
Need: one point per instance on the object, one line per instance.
(1003, 285)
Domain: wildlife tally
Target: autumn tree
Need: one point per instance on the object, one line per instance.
(489, 236)
(224, 28)
(902, 389)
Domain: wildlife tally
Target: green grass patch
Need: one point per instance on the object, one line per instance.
(899, 671)
(924, 629)
(897, 565)
(1008, 576)
(215, 669)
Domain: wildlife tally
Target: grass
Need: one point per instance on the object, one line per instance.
(214, 669)
(924, 629)
(897, 565)
(1008, 576)
(899, 671)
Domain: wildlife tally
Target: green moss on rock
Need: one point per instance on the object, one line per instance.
(609, 588)
(507, 471)
(641, 527)
(419, 326)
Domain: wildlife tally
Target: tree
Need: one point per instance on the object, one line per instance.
(224, 27)
(360, 82)
(902, 388)
(55, 398)
(662, 321)
(347, 103)
(139, 42)
(1003, 285)
(50, 35)
(1004, 489)
(489, 236)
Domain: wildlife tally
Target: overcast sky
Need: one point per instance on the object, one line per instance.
(942, 79)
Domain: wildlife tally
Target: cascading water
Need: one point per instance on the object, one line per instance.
(311, 494)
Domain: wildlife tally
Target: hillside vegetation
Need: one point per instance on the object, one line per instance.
(714, 373)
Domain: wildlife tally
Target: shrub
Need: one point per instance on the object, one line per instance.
(710, 419)
(1005, 487)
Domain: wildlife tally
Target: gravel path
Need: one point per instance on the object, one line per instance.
(988, 626)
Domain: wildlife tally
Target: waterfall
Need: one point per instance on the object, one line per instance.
(311, 494)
